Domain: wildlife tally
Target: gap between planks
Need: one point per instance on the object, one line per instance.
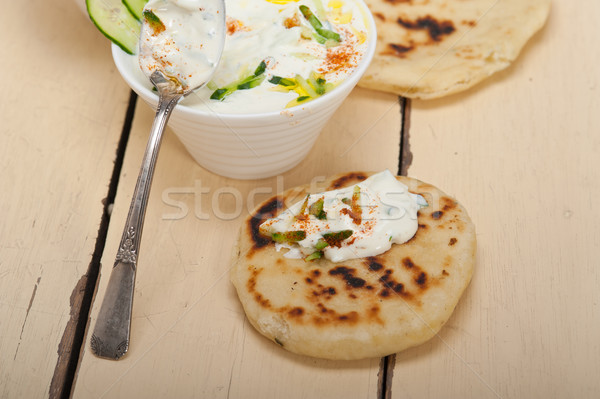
(387, 363)
(73, 339)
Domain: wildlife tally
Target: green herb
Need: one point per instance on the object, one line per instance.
(261, 68)
(250, 84)
(321, 244)
(316, 209)
(314, 255)
(301, 215)
(320, 39)
(318, 83)
(289, 236)
(247, 83)
(220, 94)
(153, 21)
(278, 80)
(325, 34)
(335, 238)
(356, 210)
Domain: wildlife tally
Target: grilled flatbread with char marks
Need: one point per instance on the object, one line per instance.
(359, 308)
(432, 48)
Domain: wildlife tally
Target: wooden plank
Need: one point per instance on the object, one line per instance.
(521, 153)
(189, 334)
(62, 110)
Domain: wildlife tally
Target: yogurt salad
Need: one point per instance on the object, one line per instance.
(277, 53)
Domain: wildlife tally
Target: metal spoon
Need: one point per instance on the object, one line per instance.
(110, 338)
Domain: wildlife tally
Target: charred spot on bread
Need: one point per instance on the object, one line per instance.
(348, 274)
(421, 279)
(268, 210)
(347, 179)
(373, 264)
(251, 287)
(379, 16)
(326, 316)
(435, 28)
(408, 263)
(419, 276)
(437, 215)
(324, 292)
(398, 50)
(297, 311)
(350, 316)
(448, 204)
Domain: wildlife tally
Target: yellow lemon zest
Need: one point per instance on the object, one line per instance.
(337, 17)
(362, 36)
(301, 92)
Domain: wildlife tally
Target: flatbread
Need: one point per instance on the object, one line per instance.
(431, 48)
(359, 308)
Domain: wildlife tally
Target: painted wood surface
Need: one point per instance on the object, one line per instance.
(520, 152)
(61, 110)
(189, 335)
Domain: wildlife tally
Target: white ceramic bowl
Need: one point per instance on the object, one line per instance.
(249, 146)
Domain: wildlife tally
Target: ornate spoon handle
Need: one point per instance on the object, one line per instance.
(110, 338)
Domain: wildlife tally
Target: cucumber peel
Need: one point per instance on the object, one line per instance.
(114, 21)
(246, 83)
(278, 80)
(135, 7)
(322, 34)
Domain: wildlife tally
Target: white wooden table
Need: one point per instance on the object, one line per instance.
(520, 151)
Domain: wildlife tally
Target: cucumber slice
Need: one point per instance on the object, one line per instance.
(135, 7)
(115, 22)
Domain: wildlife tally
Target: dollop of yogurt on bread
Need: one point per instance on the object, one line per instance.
(352, 222)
